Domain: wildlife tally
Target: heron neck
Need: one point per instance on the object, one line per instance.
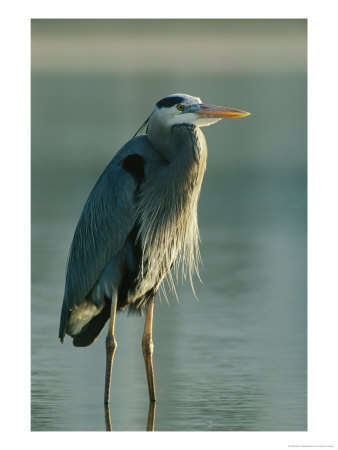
(169, 212)
(185, 150)
(159, 136)
(179, 144)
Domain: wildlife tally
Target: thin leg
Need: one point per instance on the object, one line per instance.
(148, 349)
(111, 346)
(151, 416)
(107, 418)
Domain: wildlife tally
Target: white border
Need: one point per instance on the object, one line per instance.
(15, 224)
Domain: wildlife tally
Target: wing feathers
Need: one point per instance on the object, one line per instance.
(106, 220)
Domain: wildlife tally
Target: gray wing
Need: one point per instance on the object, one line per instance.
(107, 218)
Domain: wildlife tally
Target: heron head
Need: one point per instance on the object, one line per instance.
(182, 108)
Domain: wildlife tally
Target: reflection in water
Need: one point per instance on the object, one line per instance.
(107, 417)
(151, 416)
(150, 421)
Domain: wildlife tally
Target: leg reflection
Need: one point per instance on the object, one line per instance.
(107, 417)
(150, 422)
(151, 416)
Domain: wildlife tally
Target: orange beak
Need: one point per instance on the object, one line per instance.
(220, 112)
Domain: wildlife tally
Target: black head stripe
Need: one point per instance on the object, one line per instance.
(167, 102)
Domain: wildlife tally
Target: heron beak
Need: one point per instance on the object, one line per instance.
(220, 112)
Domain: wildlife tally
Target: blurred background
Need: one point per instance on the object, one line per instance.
(236, 359)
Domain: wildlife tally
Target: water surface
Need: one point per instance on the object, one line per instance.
(235, 359)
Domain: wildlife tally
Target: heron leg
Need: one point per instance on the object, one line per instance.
(148, 348)
(107, 418)
(111, 346)
(151, 416)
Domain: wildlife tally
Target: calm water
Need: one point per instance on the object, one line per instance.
(235, 359)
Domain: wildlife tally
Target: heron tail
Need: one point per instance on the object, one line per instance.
(91, 331)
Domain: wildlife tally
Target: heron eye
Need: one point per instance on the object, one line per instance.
(180, 107)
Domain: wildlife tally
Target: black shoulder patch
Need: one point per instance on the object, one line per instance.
(167, 102)
(134, 164)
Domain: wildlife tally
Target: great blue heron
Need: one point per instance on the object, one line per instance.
(138, 224)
